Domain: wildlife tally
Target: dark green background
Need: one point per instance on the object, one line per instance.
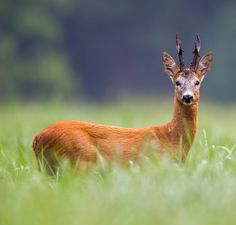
(101, 50)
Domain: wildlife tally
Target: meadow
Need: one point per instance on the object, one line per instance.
(155, 191)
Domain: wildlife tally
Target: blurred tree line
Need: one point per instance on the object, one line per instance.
(103, 49)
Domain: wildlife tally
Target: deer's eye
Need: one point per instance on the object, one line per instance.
(197, 83)
(177, 83)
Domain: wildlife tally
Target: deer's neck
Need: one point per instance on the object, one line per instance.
(184, 122)
(181, 130)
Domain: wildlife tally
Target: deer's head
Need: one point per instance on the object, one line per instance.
(187, 80)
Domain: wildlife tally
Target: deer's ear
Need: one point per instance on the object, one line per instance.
(169, 64)
(204, 65)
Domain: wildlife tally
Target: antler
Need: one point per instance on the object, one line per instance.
(196, 53)
(180, 51)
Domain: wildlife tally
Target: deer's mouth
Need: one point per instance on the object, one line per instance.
(187, 102)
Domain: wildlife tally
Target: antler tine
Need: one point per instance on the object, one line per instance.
(180, 51)
(196, 51)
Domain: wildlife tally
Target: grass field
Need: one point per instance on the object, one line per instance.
(156, 191)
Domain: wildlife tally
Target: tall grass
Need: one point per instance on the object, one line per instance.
(155, 191)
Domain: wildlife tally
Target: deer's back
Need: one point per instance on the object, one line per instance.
(74, 139)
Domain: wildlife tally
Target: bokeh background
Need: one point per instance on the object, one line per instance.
(104, 50)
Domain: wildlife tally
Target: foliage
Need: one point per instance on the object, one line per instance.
(155, 191)
(106, 48)
(32, 61)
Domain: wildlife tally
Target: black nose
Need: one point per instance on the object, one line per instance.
(188, 98)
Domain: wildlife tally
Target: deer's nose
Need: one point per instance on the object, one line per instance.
(187, 98)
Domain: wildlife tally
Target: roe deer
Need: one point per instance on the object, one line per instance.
(82, 141)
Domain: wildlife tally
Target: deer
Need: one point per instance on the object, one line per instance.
(83, 142)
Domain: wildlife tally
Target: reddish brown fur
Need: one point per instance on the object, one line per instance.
(80, 140)
(84, 141)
